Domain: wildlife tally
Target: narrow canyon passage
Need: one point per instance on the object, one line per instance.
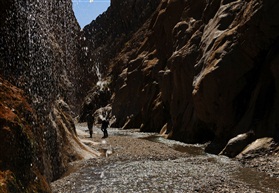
(131, 161)
(204, 73)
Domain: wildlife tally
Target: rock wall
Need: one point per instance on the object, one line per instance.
(200, 71)
(104, 38)
(38, 54)
(20, 157)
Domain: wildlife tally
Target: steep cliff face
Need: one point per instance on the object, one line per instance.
(199, 71)
(38, 54)
(39, 49)
(104, 38)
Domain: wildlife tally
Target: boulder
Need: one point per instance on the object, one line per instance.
(261, 145)
(237, 144)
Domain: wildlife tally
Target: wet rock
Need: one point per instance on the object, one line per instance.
(21, 153)
(237, 144)
(71, 147)
(38, 55)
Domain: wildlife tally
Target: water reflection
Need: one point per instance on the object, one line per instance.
(193, 150)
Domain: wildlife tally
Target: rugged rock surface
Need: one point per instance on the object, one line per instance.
(26, 160)
(237, 144)
(262, 154)
(202, 70)
(197, 70)
(37, 54)
(20, 157)
(105, 37)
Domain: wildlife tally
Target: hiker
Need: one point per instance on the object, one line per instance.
(105, 124)
(90, 121)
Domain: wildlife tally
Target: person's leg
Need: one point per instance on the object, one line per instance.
(90, 127)
(91, 133)
(105, 132)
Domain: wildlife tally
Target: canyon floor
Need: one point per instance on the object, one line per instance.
(131, 161)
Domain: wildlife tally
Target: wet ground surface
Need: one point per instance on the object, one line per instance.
(146, 162)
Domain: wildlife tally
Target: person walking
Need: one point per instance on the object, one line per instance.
(90, 121)
(105, 124)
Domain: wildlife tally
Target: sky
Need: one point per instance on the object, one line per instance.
(88, 10)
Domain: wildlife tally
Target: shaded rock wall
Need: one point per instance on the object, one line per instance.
(103, 38)
(202, 70)
(38, 54)
(39, 48)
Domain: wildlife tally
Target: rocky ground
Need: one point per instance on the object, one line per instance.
(265, 159)
(144, 162)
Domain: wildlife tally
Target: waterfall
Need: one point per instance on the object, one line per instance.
(101, 83)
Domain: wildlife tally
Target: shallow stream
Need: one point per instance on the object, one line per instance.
(196, 172)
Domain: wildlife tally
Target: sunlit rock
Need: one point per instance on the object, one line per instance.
(237, 144)
(207, 69)
(260, 145)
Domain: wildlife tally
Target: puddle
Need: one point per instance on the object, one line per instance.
(193, 150)
(257, 180)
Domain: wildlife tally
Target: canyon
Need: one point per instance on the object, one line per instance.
(194, 71)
